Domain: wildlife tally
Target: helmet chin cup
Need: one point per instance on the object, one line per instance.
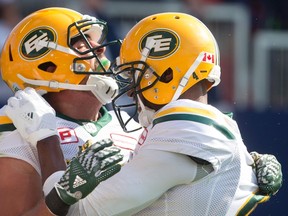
(145, 117)
(146, 114)
(103, 87)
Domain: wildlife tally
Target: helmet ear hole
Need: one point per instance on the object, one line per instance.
(167, 76)
(47, 67)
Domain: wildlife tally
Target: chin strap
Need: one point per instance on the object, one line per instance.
(146, 114)
(187, 76)
(104, 88)
(55, 46)
(214, 76)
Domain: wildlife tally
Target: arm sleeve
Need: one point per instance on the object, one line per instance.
(143, 180)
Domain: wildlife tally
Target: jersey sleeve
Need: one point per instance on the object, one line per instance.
(12, 145)
(139, 183)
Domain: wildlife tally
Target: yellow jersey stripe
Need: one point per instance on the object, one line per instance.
(6, 124)
(251, 204)
(5, 120)
(196, 111)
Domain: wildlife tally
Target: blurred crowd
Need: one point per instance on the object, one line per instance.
(265, 14)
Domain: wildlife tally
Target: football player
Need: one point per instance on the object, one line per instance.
(60, 53)
(193, 158)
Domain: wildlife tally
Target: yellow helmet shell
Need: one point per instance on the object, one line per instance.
(179, 39)
(21, 55)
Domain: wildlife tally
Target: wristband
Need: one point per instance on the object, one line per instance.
(51, 181)
(40, 135)
(55, 204)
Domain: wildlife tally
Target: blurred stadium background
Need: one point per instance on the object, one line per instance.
(253, 41)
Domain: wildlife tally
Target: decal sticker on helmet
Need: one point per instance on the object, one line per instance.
(29, 47)
(166, 43)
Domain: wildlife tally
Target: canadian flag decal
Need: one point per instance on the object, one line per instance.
(209, 58)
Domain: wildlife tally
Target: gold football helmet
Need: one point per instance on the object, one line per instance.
(39, 51)
(174, 45)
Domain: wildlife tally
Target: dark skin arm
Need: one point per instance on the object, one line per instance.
(50, 156)
(51, 160)
(21, 185)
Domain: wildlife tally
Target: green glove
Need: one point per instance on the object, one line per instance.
(268, 172)
(93, 164)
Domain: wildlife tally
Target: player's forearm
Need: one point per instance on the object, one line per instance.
(93, 165)
(51, 161)
(151, 173)
(50, 156)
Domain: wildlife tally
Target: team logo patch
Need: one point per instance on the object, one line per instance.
(67, 135)
(30, 49)
(166, 43)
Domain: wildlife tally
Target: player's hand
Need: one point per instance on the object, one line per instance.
(33, 117)
(268, 172)
(85, 171)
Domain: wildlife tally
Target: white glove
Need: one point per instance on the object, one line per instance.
(33, 117)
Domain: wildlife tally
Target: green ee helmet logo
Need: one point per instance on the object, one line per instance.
(166, 43)
(30, 48)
